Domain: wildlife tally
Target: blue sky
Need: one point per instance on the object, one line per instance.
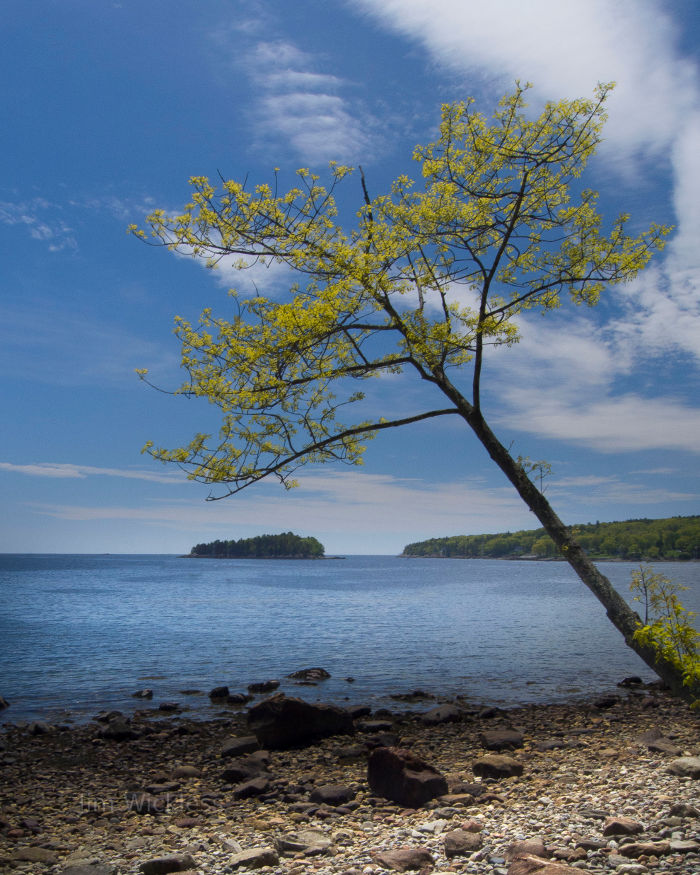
(109, 108)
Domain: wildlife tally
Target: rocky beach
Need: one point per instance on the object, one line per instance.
(611, 785)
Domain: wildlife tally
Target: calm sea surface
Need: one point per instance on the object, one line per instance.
(82, 633)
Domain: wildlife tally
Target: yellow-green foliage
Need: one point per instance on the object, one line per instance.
(667, 626)
(425, 278)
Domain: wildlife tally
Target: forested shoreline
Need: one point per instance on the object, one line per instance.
(284, 546)
(672, 538)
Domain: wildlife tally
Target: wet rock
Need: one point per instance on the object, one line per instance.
(621, 826)
(235, 747)
(501, 739)
(39, 728)
(142, 694)
(403, 859)
(219, 693)
(118, 730)
(169, 707)
(397, 774)
(442, 714)
(283, 722)
(332, 794)
(164, 865)
(461, 843)
(309, 674)
(263, 687)
(3, 703)
(632, 681)
(254, 858)
(238, 699)
(605, 702)
(309, 842)
(497, 766)
(686, 767)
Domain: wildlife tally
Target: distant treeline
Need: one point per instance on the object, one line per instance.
(285, 546)
(673, 538)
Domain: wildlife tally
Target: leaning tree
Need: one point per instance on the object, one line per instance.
(499, 221)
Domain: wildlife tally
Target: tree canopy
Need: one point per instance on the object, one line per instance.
(284, 546)
(425, 280)
(672, 538)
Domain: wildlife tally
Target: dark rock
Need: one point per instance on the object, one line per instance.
(263, 687)
(309, 674)
(349, 680)
(632, 681)
(187, 772)
(686, 767)
(282, 722)
(403, 859)
(235, 747)
(238, 699)
(460, 843)
(169, 707)
(253, 787)
(375, 725)
(621, 826)
(605, 702)
(415, 696)
(497, 766)
(3, 703)
(242, 769)
(442, 714)
(351, 752)
(665, 745)
(219, 693)
(473, 789)
(382, 739)
(332, 794)
(359, 711)
(255, 858)
(39, 728)
(163, 865)
(158, 789)
(142, 694)
(501, 739)
(399, 775)
(118, 730)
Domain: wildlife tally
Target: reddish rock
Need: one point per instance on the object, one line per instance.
(461, 843)
(527, 848)
(531, 865)
(648, 849)
(621, 826)
(403, 859)
(399, 775)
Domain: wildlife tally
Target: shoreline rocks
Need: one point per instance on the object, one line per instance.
(598, 799)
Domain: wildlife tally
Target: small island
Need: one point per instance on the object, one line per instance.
(284, 546)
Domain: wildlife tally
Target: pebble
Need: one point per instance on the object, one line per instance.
(68, 799)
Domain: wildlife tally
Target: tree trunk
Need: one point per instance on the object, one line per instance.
(619, 612)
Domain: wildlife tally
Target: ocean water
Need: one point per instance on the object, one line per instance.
(81, 633)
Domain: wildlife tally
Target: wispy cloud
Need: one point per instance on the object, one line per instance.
(299, 105)
(43, 221)
(68, 471)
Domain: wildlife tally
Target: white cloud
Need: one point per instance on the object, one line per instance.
(65, 470)
(302, 106)
(654, 113)
(43, 221)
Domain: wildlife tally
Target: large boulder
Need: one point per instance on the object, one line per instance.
(399, 775)
(282, 722)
